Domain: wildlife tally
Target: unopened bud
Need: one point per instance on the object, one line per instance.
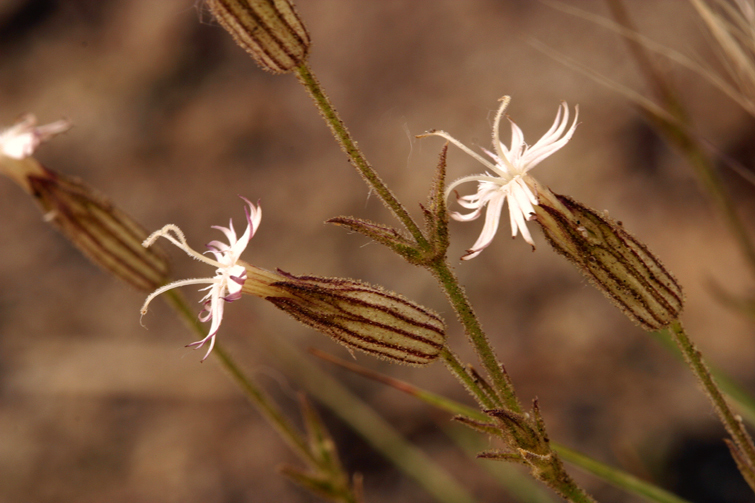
(269, 30)
(617, 263)
(355, 314)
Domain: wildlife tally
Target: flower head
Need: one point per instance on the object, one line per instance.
(507, 177)
(20, 140)
(229, 277)
(18, 143)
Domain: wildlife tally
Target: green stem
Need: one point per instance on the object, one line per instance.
(457, 369)
(349, 146)
(468, 318)
(548, 470)
(253, 393)
(440, 269)
(741, 398)
(265, 405)
(508, 475)
(616, 477)
(731, 422)
(570, 490)
(474, 444)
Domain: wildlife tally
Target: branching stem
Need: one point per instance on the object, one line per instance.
(547, 468)
(456, 295)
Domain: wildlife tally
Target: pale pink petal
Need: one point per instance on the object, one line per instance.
(229, 277)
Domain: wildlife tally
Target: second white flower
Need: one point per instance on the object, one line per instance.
(507, 176)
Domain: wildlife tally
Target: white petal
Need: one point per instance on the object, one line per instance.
(459, 217)
(226, 285)
(492, 218)
(520, 208)
(171, 286)
(550, 143)
(511, 165)
(20, 140)
(558, 125)
(517, 143)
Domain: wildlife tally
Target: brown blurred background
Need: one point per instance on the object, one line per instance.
(173, 121)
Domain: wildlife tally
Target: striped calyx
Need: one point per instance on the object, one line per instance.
(107, 236)
(269, 30)
(617, 263)
(361, 316)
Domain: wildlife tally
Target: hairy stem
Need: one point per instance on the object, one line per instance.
(468, 318)
(462, 374)
(731, 422)
(349, 146)
(440, 269)
(547, 468)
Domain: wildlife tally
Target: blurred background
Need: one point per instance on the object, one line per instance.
(172, 121)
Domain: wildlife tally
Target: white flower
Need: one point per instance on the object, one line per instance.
(229, 277)
(507, 178)
(20, 140)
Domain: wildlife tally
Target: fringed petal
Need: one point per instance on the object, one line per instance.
(511, 167)
(229, 277)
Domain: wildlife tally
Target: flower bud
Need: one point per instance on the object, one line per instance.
(355, 314)
(612, 259)
(269, 30)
